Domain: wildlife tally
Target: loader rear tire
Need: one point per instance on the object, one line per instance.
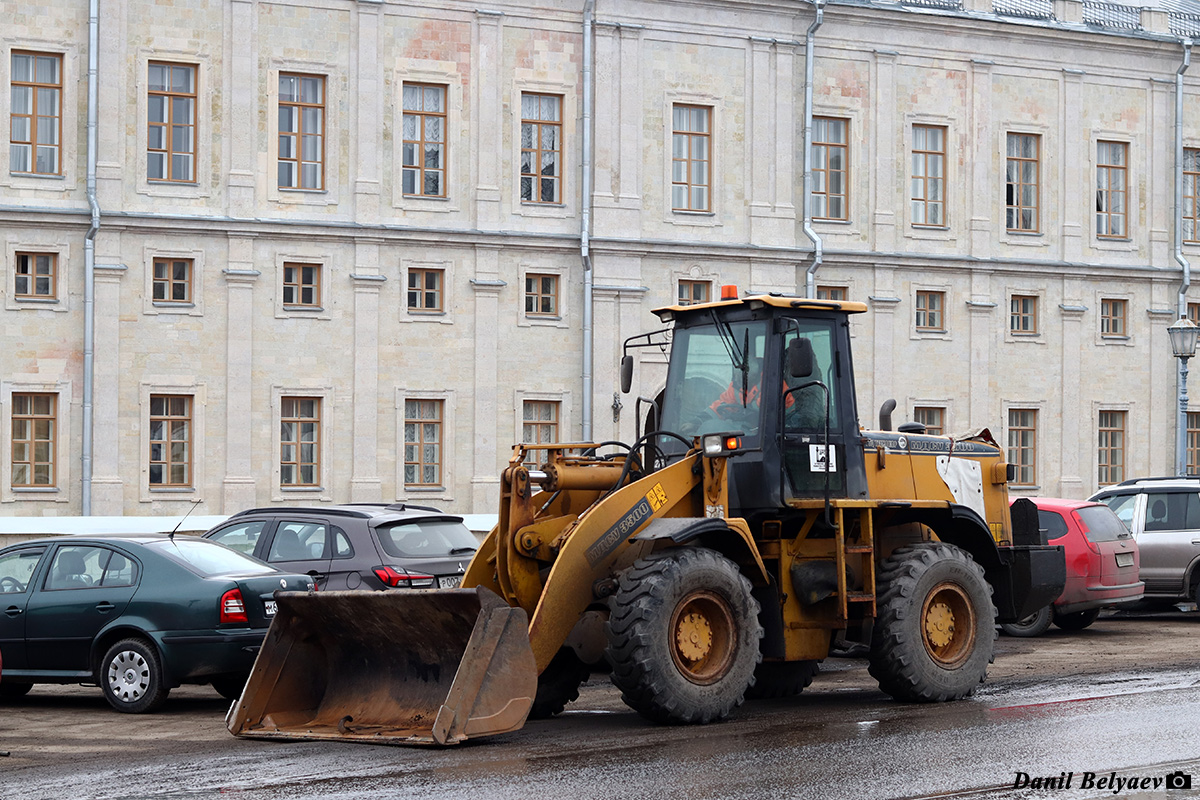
(559, 684)
(683, 636)
(776, 679)
(935, 627)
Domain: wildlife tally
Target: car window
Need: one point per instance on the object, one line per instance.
(1100, 524)
(16, 569)
(298, 541)
(77, 567)
(1168, 511)
(207, 558)
(1052, 523)
(341, 544)
(427, 538)
(1123, 506)
(242, 537)
(120, 571)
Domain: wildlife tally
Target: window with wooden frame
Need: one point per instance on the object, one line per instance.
(830, 167)
(1112, 160)
(423, 156)
(541, 295)
(541, 148)
(1193, 312)
(832, 293)
(301, 131)
(1022, 183)
(932, 417)
(35, 276)
(172, 280)
(34, 440)
(423, 442)
(35, 140)
(1023, 314)
(425, 289)
(539, 425)
(171, 123)
(1191, 209)
(1112, 317)
(930, 311)
(1111, 453)
(300, 441)
(1193, 443)
(929, 176)
(693, 292)
(170, 441)
(301, 284)
(1022, 445)
(691, 158)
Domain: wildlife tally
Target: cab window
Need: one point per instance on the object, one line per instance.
(77, 567)
(298, 541)
(242, 537)
(16, 569)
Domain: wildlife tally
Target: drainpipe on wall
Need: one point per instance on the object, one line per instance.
(585, 191)
(1177, 252)
(89, 254)
(810, 287)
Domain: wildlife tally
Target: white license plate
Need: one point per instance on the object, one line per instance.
(1124, 559)
(449, 581)
(270, 607)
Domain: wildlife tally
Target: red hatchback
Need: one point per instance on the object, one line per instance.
(1102, 565)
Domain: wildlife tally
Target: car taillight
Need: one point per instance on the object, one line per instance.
(233, 608)
(1083, 528)
(402, 578)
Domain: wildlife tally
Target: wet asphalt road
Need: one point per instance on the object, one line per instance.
(841, 739)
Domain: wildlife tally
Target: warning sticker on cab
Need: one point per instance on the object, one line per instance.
(656, 496)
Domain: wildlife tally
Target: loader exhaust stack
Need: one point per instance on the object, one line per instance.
(397, 667)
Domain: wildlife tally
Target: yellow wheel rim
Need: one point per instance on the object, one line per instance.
(948, 625)
(703, 637)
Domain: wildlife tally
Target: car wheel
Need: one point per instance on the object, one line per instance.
(230, 686)
(1077, 621)
(11, 690)
(1034, 625)
(131, 676)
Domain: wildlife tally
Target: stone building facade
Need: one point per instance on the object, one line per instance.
(339, 255)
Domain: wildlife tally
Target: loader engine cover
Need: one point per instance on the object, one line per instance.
(405, 666)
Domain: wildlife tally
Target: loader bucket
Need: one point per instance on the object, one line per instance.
(403, 666)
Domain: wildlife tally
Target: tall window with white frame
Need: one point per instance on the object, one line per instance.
(35, 135)
(423, 443)
(171, 123)
(1022, 444)
(1112, 159)
(172, 281)
(1022, 183)
(541, 295)
(932, 417)
(930, 315)
(423, 157)
(693, 292)
(541, 148)
(539, 425)
(301, 131)
(34, 440)
(830, 168)
(170, 441)
(301, 284)
(35, 276)
(929, 176)
(691, 158)
(300, 442)
(1110, 461)
(1023, 314)
(1193, 443)
(1191, 195)
(1112, 318)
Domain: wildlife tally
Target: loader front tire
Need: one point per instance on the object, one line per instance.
(683, 636)
(559, 684)
(935, 627)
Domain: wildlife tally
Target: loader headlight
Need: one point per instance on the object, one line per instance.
(719, 445)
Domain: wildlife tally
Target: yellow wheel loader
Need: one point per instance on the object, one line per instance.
(721, 555)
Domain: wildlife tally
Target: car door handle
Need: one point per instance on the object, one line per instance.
(104, 606)
(316, 576)
(13, 611)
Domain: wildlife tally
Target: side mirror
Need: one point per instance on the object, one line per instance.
(626, 374)
(800, 358)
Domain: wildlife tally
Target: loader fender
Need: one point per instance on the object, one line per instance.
(730, 537)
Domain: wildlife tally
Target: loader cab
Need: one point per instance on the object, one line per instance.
(778, 370)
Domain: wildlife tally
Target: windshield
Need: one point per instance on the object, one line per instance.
(207, 558)
(427, 538)
(715, 379)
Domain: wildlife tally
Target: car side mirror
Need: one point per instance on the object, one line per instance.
(800, 358)
(626, 374)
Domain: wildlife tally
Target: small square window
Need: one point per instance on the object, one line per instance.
(1023, 314)
(35, 276)
(1112, 318)
(693, 292)
(172, 280)
(541, 295)
(839, 293)
(930, 311)
(932, 417)
(301, 284)
(425, 289)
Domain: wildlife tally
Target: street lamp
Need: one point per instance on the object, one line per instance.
(1183, 346)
